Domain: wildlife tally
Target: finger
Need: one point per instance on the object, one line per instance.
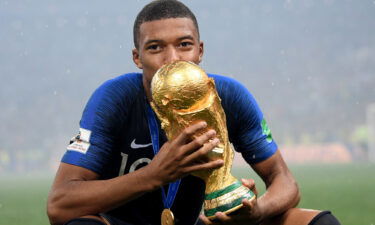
(200, 141)
(246, 203)
(205, 166)
(222, 217)
(249, 204)
(201, 152)
(250, 183)
(205, 220)
(189, 131)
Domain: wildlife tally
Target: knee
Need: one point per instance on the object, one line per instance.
(300, 216)
(324, 218)
(84, 221)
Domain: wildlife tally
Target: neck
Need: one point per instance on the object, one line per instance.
(147, 88)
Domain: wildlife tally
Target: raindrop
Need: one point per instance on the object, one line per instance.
(21, 33)
(272, 84)
(46, 26)
(120, 46)
(68, 71)
(288, 79)
(55, 93)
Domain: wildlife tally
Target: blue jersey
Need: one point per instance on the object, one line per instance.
(114, 139)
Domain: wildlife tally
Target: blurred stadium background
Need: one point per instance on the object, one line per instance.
(310, 64)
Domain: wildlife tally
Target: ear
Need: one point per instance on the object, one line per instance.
(201, 51)
(136, 59)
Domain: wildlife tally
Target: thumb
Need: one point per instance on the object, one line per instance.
(250, 183)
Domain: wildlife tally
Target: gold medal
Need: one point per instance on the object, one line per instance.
(167, 217)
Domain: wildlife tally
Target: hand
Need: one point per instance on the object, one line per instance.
(185, 154)
(249, 213)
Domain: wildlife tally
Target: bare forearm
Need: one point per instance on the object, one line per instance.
(281, 194)
(79, 198)
(282, 190)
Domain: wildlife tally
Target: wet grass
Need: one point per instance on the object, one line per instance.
(23, 199)
(347, 190)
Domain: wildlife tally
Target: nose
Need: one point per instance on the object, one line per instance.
(171, 55)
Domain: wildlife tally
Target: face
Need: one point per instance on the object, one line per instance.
(164, 41)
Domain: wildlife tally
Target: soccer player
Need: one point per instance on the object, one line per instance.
(110, 173)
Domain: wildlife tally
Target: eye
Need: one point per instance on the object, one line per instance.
(153, 47)
(185, 44)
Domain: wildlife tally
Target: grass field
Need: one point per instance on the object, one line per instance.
(346, 190)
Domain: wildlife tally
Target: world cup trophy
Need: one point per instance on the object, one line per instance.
(182, 94)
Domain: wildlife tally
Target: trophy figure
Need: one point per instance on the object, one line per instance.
(183, 93)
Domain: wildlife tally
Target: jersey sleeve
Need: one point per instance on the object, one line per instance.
(93, 148)
(247, 127)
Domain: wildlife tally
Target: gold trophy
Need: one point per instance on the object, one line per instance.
(182, 94)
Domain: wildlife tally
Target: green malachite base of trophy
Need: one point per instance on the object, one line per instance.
(226, 200)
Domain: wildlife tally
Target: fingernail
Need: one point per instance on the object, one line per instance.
(211, 132)
(215, 141)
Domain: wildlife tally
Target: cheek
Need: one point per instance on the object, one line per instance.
(195, 58)
(152, 63)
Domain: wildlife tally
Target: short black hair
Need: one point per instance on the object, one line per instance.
(161, 9)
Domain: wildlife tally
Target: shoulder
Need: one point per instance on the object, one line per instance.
(224, 81)
(119, 88)
(231, 91)
(123, 84)
(224, 84)
(113, 97)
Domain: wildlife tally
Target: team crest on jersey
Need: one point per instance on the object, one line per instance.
(266, 131)
(81, 142)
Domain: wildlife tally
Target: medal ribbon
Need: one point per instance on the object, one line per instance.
(154, 133)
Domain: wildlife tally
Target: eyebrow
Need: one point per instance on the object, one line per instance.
(180, 38)
(186, 37)
(150, 41)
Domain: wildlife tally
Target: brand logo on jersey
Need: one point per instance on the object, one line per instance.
(81, 142)
(133, 145)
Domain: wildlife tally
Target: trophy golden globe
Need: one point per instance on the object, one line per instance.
(182, 93)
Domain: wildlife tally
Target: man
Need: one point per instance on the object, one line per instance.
(110, 174)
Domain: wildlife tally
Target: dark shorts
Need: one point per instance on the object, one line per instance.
(113, 220)
(84, 221)
(323, 218)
